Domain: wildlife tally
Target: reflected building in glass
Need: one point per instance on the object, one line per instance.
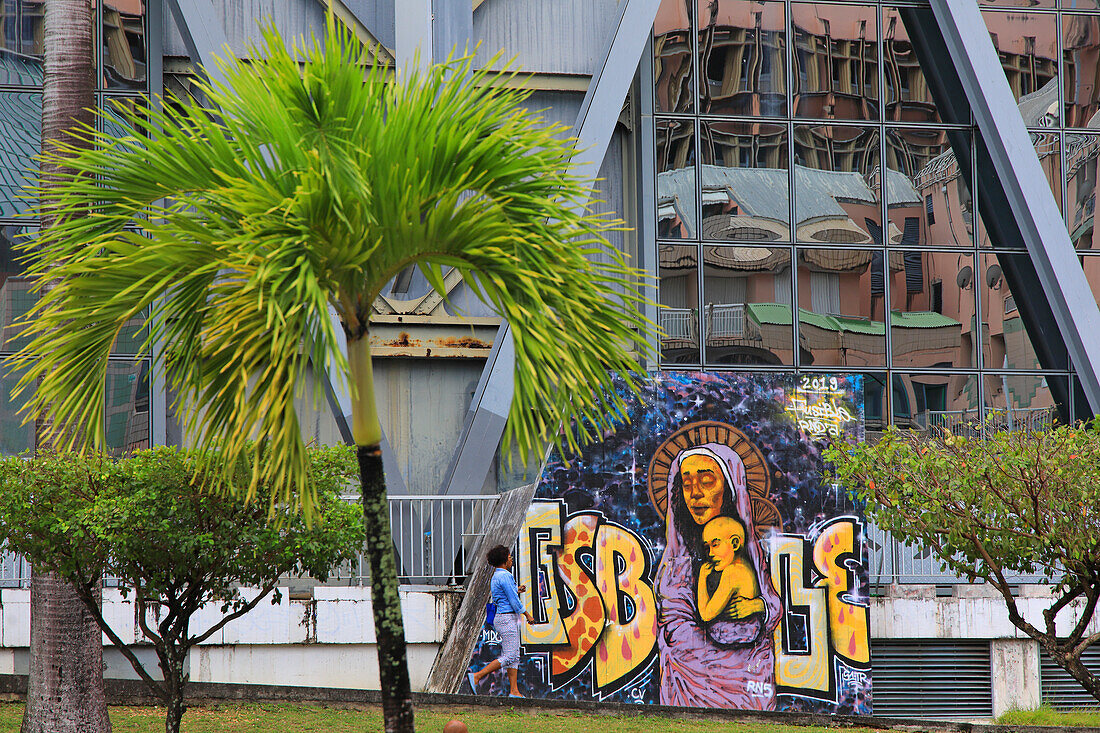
(812, 215)
(121, 63)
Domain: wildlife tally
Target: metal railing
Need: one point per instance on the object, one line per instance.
(726, 320)
(678, 324)
(891, 561)
(434, 537)
(970, 422)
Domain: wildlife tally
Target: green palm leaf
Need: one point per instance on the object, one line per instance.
(314, 183)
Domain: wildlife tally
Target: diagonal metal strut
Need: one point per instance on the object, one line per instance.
(1022, 185)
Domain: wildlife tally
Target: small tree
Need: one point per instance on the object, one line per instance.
(175, 547)
(1013, 502)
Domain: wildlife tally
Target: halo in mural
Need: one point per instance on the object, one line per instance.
(764, 512)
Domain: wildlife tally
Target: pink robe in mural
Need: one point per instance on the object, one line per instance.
(696, 670)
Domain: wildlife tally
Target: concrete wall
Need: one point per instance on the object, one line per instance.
(325, 641)
(328, 640)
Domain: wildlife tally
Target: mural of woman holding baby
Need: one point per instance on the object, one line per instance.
(718, 607)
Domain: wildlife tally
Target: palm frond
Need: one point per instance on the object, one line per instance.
(308, 184)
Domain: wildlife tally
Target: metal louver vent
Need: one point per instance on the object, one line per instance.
(1061, 691)
(931, 678)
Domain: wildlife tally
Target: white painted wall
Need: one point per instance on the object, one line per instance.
(328, 641)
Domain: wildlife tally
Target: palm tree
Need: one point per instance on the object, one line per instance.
(306, 186)
(65, 682)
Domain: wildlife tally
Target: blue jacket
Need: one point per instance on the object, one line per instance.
(505, 592)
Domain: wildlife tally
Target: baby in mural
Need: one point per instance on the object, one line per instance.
(728, 578)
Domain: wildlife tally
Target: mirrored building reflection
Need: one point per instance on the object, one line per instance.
(742, 58)
(678, 291)
(123, 38)
(122, 64)
(746, 317)
(812, 193)
(837, 184)
(745, 183)
(836, 61)
(674, 80)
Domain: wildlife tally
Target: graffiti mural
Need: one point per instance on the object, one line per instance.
(698, 557)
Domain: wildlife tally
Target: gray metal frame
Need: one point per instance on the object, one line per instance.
(204, 34)
(596, 120)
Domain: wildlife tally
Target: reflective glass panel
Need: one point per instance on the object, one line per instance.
(676, 179)
(127, 406)
(1048, 149)
(908, 98)
(672, 72)
(876, 401)
(932, 310)
(14, 436)
(840, 307)
(21, 38)
(679, 294)
(1082, 153)
(927, 199)
(1028, 46)
(746, 188)
(20, 141)
(837, 185)
(742, 58)
(936, 401)
(123, 37)
(1018, 3)
(836, 61)
(1080, 68)
(1024, 401)
(747, 305)
(1006, 342)
(16, 297)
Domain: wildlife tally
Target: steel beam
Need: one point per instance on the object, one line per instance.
(452, 29)
(1023, 185)
(204, 35)
(358, 27)
(413, 33)
(484, 424)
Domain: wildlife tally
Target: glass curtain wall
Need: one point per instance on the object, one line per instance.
(812, 216)
(121, 62)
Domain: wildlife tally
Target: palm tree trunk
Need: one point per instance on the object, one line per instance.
(389, 626)
(65, 686)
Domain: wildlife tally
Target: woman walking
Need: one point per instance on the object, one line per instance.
(505, 595)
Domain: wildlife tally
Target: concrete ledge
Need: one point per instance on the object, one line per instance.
(134, 692)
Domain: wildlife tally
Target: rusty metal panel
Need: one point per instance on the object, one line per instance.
(546, 37)
(422, 403)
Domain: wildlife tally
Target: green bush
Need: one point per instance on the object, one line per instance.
(147, 520)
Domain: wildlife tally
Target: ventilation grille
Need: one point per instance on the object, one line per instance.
(931, 678)
(1061, 691)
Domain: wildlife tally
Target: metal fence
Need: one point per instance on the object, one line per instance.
(972, 423)
(891, 561)
(434, 537)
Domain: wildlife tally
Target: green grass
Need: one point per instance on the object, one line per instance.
(287, 718)
(1048, 716)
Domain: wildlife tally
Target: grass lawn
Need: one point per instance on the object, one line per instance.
(1047, 716)
(287, 718)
